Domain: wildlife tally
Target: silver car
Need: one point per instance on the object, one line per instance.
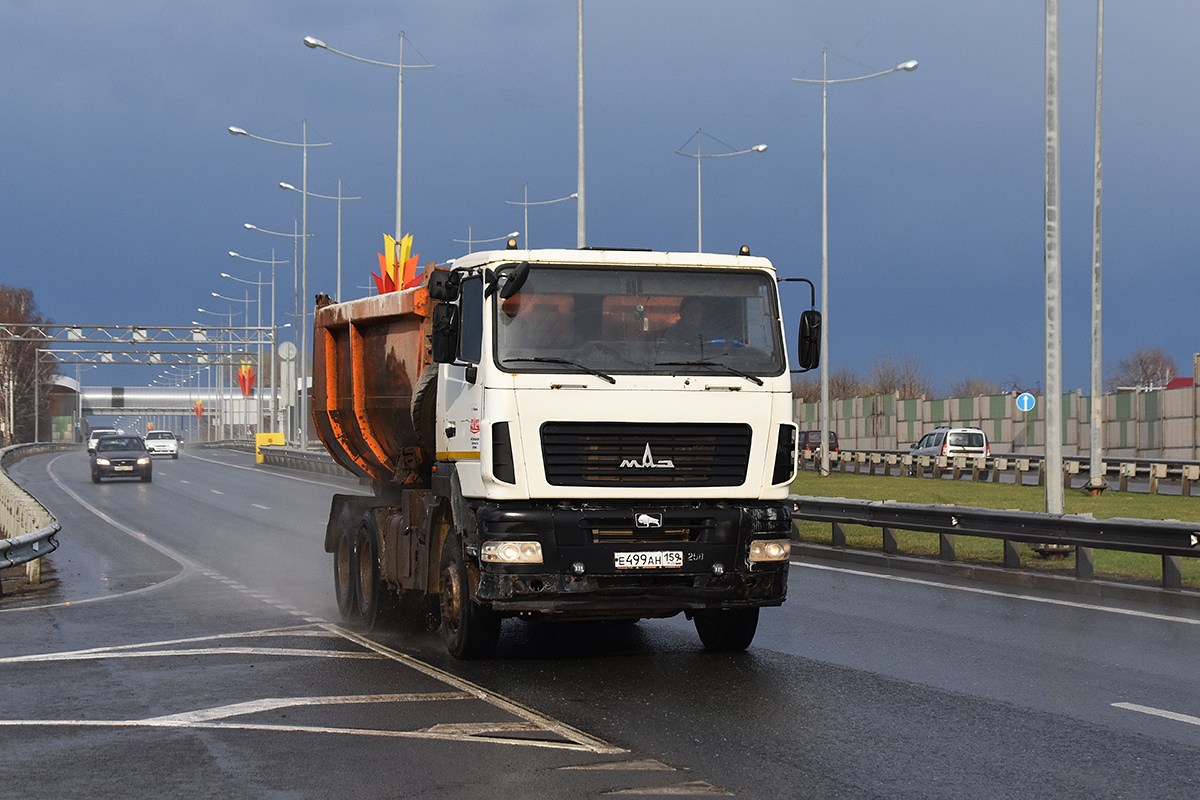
(162, 443)
(95, 435)
(952, 442)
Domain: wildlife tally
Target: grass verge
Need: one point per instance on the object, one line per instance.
(1113, 565)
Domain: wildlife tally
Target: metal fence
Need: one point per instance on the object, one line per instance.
(1169, 539)
(1158, 423)
(1025, 469)
(27, 528)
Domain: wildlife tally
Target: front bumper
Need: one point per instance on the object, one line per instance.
(580, 544)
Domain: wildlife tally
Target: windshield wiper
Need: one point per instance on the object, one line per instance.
(548, 360)
(730, 369)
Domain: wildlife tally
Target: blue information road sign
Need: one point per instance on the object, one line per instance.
(1026, 401)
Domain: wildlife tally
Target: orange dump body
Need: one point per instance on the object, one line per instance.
(367, 357)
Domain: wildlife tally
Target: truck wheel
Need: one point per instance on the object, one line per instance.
(344, 576)
(369, 589)
(470, 630)
(726, 630)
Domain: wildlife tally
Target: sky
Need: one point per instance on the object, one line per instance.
(123, 192)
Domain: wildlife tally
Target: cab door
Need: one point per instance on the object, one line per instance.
(460, 395)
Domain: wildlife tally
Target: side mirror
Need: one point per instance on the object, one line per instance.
(516, 279)
(810, 340)
(443, 285)
(445, 335)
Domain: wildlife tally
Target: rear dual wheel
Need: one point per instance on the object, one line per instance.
(344, 573)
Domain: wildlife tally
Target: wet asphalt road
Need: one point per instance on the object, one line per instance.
(191, 647)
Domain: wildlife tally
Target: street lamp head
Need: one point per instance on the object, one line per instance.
(573, 195)
(226, 274)
(249, 227)
(314, 42)
(237, 131)
(513, 235)
(288, 186)
(907, 66)
(759, 148)
(214, 294)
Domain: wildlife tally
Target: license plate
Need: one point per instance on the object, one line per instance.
(649, 559)
(123, 469)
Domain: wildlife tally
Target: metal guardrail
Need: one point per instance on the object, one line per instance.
(308, 460)
(27, 528)
(1020, 465)
(1169, 539)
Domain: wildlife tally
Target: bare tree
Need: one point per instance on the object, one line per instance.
(888, 376)
(1145, 368)
(845, 383)
(974, 387)
(806, 389)
(20, 370)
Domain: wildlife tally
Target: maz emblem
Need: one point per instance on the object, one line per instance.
(648, 462)
(645, 520)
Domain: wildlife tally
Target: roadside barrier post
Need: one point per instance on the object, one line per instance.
(1085, 563)
(1012, 554)
(1172, 573)
(890, 545)
(946, 546)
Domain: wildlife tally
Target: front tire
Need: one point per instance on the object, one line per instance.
(470, 630)
(726, 630)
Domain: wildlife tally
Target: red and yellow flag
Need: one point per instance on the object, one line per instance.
(391, 278)
(245, 377)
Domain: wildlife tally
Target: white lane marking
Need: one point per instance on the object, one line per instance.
(198, 651)
(1158, 712)
(264, 508)
(995, 593)
(498, 732)
(583, 741)
(188, 567)
(277, 703)
(282, 475)
(70, 655)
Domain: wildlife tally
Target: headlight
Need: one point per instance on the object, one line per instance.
(102, 462)
(512, 552)
(144, 460)
(770, 550)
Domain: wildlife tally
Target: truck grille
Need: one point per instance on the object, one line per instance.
(619, 527)
(649, 455)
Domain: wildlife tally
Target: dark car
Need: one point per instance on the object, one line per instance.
(121, 456)
(811, 440)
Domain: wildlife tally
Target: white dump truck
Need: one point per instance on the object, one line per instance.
(564, 435)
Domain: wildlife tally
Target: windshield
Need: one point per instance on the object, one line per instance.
(114, 443)
(666, 321)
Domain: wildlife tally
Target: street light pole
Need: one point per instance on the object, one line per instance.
(581, 207)
(758, 148)
(304, 145)
(314, 43)
(907, 66)
(339, 199)
(295, 237)
(527, 204)
(469, 241)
